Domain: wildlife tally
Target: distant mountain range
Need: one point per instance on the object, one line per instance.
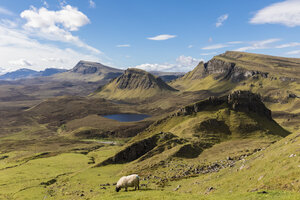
(83, 71)
(29, 73)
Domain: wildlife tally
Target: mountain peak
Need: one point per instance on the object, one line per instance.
(88, 67)
(137, 78)
(135, 84)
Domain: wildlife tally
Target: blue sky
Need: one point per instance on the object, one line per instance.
(166, 35)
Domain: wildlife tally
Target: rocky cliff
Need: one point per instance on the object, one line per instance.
(243, 101)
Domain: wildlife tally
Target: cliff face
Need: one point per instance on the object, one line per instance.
(229, 71)
(239, 66)
(243, 101)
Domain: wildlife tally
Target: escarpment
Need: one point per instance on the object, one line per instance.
(244, 101)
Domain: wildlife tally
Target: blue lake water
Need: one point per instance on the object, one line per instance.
(127, 117)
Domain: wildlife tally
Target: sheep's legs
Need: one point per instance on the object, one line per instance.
(126, 189)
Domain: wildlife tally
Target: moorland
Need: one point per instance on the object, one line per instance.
(228, 129)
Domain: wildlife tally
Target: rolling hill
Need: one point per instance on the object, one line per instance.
(186, 133)
(229, 129)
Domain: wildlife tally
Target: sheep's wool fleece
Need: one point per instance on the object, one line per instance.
(128, 181)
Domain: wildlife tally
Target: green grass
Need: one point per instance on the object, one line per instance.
(280, 175)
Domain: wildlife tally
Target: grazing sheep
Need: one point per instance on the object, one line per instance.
(128, 181)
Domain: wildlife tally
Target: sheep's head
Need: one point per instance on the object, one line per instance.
(118, 189)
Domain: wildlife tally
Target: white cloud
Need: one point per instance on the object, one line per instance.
(92, 4)
(221, 19)
(296, 52)
(215, 46)
(292, 44)
(18, 50)
(190, 46)
(162, 37)
(182, 64)
(123, 45)
(20, 63)
(8, 23)
(235, 42)
(57, 25)
(286, 13)
(264, 44)
(208, 54)
(58, 60)
(4, 11)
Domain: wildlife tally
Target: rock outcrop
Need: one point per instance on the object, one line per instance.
(137, 149)
(244, 101)
(229, 71)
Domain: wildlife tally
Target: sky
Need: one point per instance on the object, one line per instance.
(154, 35)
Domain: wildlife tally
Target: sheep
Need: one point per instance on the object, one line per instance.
(128, 181)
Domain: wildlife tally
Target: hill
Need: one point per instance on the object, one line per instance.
(90, 71)
(134, 84)
(238, 117)
(275, 78)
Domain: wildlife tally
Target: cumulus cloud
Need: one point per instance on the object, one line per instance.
(57, 25)
(263, 44)
(221, 20)
(123, 45)
(215, 46)
(4, 11)
(286, 13)
(18, 50)
(182, 64)
(92, 4)
(162, 37)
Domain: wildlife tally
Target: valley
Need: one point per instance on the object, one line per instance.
(230, 128)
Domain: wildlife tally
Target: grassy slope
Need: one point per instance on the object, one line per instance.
(273, 89)
(288, 67)
(270, 170)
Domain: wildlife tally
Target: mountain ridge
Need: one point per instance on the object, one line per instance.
(24, 73)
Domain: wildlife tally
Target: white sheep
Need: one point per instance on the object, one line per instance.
(128, 181)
